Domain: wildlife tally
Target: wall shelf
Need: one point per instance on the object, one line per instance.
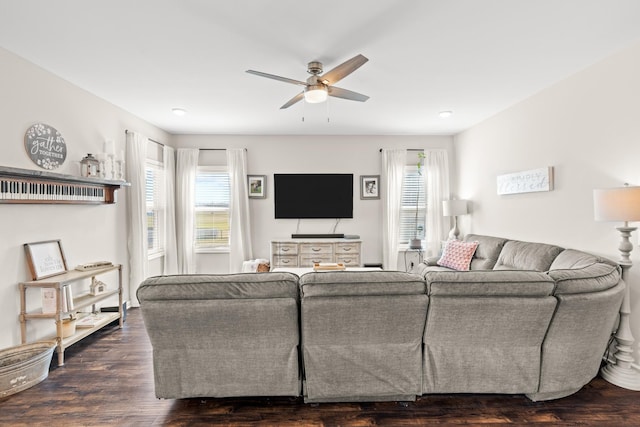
(28, 186)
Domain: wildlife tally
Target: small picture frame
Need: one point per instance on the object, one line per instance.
(257, 186)
(45, 259)
(369, 187)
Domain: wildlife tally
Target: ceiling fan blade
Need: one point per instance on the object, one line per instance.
(346, 94)
(274, 77)
(293, 100)
(343, 70)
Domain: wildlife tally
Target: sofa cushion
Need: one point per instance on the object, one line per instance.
(457, 255)
(489, 283)
(488, 250)
(578, 272)
(219, 286)
(359, 283)
(517, 255)
(596, 277)
(571, 258)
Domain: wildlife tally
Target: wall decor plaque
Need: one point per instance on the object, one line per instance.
(526, 181)
(45, 146)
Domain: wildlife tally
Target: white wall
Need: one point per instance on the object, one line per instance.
(588, 128)
(359, 155)
(28, 95)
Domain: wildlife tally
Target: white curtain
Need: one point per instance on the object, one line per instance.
(170, 244)
(393, 165)
(240, 221)
(437, 186)
(187, 165)
(136, 156)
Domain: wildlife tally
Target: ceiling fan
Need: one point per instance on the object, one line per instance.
(319, 86)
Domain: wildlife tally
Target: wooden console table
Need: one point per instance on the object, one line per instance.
(79, 302)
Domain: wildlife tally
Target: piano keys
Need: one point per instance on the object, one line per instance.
(23, 186)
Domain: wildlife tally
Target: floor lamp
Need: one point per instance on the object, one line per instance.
(623, 205)
(454, 208)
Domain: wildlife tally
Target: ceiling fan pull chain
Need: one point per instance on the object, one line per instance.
(327, 102)
(303, 105)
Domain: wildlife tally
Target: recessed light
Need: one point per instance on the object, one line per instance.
(179, 111)
(445, 114)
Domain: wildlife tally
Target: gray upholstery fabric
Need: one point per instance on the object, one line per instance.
(345, 283)
(577, 272)
(216, 286)
(487, 252)
(359, 346)
(421, 269)
(517, 255)
(595, 277)
(489, 283)
(538, 323)
(577, 339)
(484, 344)
(221, 335)
(573, 259)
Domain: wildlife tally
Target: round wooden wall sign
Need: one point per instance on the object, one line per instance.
(45, 146)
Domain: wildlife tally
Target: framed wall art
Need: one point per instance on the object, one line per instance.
(257, 186)
(369, 187)
(45, 259)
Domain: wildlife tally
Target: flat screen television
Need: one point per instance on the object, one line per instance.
(305, 195)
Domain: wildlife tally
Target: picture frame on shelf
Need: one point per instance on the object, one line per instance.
(45, 259)
(257, 186)
(369, 187)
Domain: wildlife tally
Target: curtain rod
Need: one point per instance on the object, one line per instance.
(201, 149)
(152, 140)
(410, 149)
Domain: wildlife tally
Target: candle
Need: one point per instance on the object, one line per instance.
(109, 147)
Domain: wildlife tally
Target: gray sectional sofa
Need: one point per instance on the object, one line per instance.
(528, 318)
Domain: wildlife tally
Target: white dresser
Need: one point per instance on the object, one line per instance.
(304, 253)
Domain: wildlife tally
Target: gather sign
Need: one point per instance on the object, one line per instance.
(45, 146)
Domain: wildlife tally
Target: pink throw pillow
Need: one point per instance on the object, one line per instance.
(457, 255)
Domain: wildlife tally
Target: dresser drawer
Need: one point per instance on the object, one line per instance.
(316, 248)
(347, 248)
(284, 248)
(284, 261)
(307, 260)
(349, 260)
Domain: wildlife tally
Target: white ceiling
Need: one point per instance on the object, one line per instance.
(475, 57)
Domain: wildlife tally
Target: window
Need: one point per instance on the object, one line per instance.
(414, 209)
(154, 173)
(212, 209)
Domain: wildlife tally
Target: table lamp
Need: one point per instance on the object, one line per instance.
(454, 208)
(623, 205)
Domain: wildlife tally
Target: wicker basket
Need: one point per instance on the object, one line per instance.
(24, 366)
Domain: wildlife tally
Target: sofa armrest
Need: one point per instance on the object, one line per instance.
(431, 261)
(489, 283)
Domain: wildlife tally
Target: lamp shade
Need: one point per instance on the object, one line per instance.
(617, 204)
(454, 207)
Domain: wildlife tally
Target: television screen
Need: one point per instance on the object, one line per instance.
(313, 195)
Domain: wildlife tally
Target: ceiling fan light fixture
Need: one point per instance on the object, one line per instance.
(315, 94)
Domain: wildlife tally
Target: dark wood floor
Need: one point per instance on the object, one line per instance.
(108, 380)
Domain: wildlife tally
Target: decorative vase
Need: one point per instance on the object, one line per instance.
(415, 244)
